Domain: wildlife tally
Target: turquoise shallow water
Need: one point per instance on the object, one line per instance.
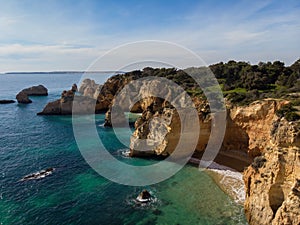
(76, 194)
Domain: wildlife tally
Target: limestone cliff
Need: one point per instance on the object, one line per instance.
(273, 180)
(247, 134)
(89, 88)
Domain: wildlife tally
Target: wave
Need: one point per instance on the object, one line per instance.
(229, 180)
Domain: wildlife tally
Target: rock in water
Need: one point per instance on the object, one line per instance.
(7, 101)
(39, 90)
(38, 175)
(65, 106)
(144, 196)
(74, 88)
(22, 97)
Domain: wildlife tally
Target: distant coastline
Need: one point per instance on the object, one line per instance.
(64, 72)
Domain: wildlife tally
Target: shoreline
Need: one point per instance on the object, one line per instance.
(234, 160)
(227, 172)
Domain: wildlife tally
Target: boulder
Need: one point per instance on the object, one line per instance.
(22, 97)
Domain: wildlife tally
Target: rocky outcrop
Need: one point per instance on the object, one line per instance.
(22, 96)
(104, 94)
(273, 188)
(39, 90)
(272, 181)
(257, 120)
(89, 88)
(74, 88)
(69, 103)
(7, 101)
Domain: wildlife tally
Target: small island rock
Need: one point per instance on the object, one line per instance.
(144, 196)
(39, 90)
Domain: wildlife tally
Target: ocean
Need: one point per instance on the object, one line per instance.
(75, 193)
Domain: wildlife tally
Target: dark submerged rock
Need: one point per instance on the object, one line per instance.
(7, 101)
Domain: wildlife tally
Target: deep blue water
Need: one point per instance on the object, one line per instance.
(75, 193)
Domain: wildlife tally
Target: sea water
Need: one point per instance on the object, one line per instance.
(75, 193)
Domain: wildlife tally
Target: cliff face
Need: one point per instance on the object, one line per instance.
(247, 133)
(273, 187)
(272, 181)
(255, 123)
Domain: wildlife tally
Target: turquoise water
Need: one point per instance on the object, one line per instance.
(74, 193)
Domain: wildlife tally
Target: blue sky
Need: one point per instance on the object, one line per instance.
(69, 35)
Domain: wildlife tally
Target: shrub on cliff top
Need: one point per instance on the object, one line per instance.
(288, 112)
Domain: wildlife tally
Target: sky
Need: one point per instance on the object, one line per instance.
(60, 35)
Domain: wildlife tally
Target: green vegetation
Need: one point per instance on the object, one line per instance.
(289, 112)
(241, 82)
(236, 90)
(261, 77)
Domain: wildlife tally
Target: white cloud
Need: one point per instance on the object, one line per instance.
(241, 36)
(18, 49)
(17, 57)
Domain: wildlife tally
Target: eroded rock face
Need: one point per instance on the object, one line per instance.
(22, 96)
(39, 90)
(89, 88)
(160, 125)
(272, 188)
(272, 183)
(257, 120)
(70, 104)
(247, 133)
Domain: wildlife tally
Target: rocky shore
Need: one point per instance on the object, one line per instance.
(257, 139)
